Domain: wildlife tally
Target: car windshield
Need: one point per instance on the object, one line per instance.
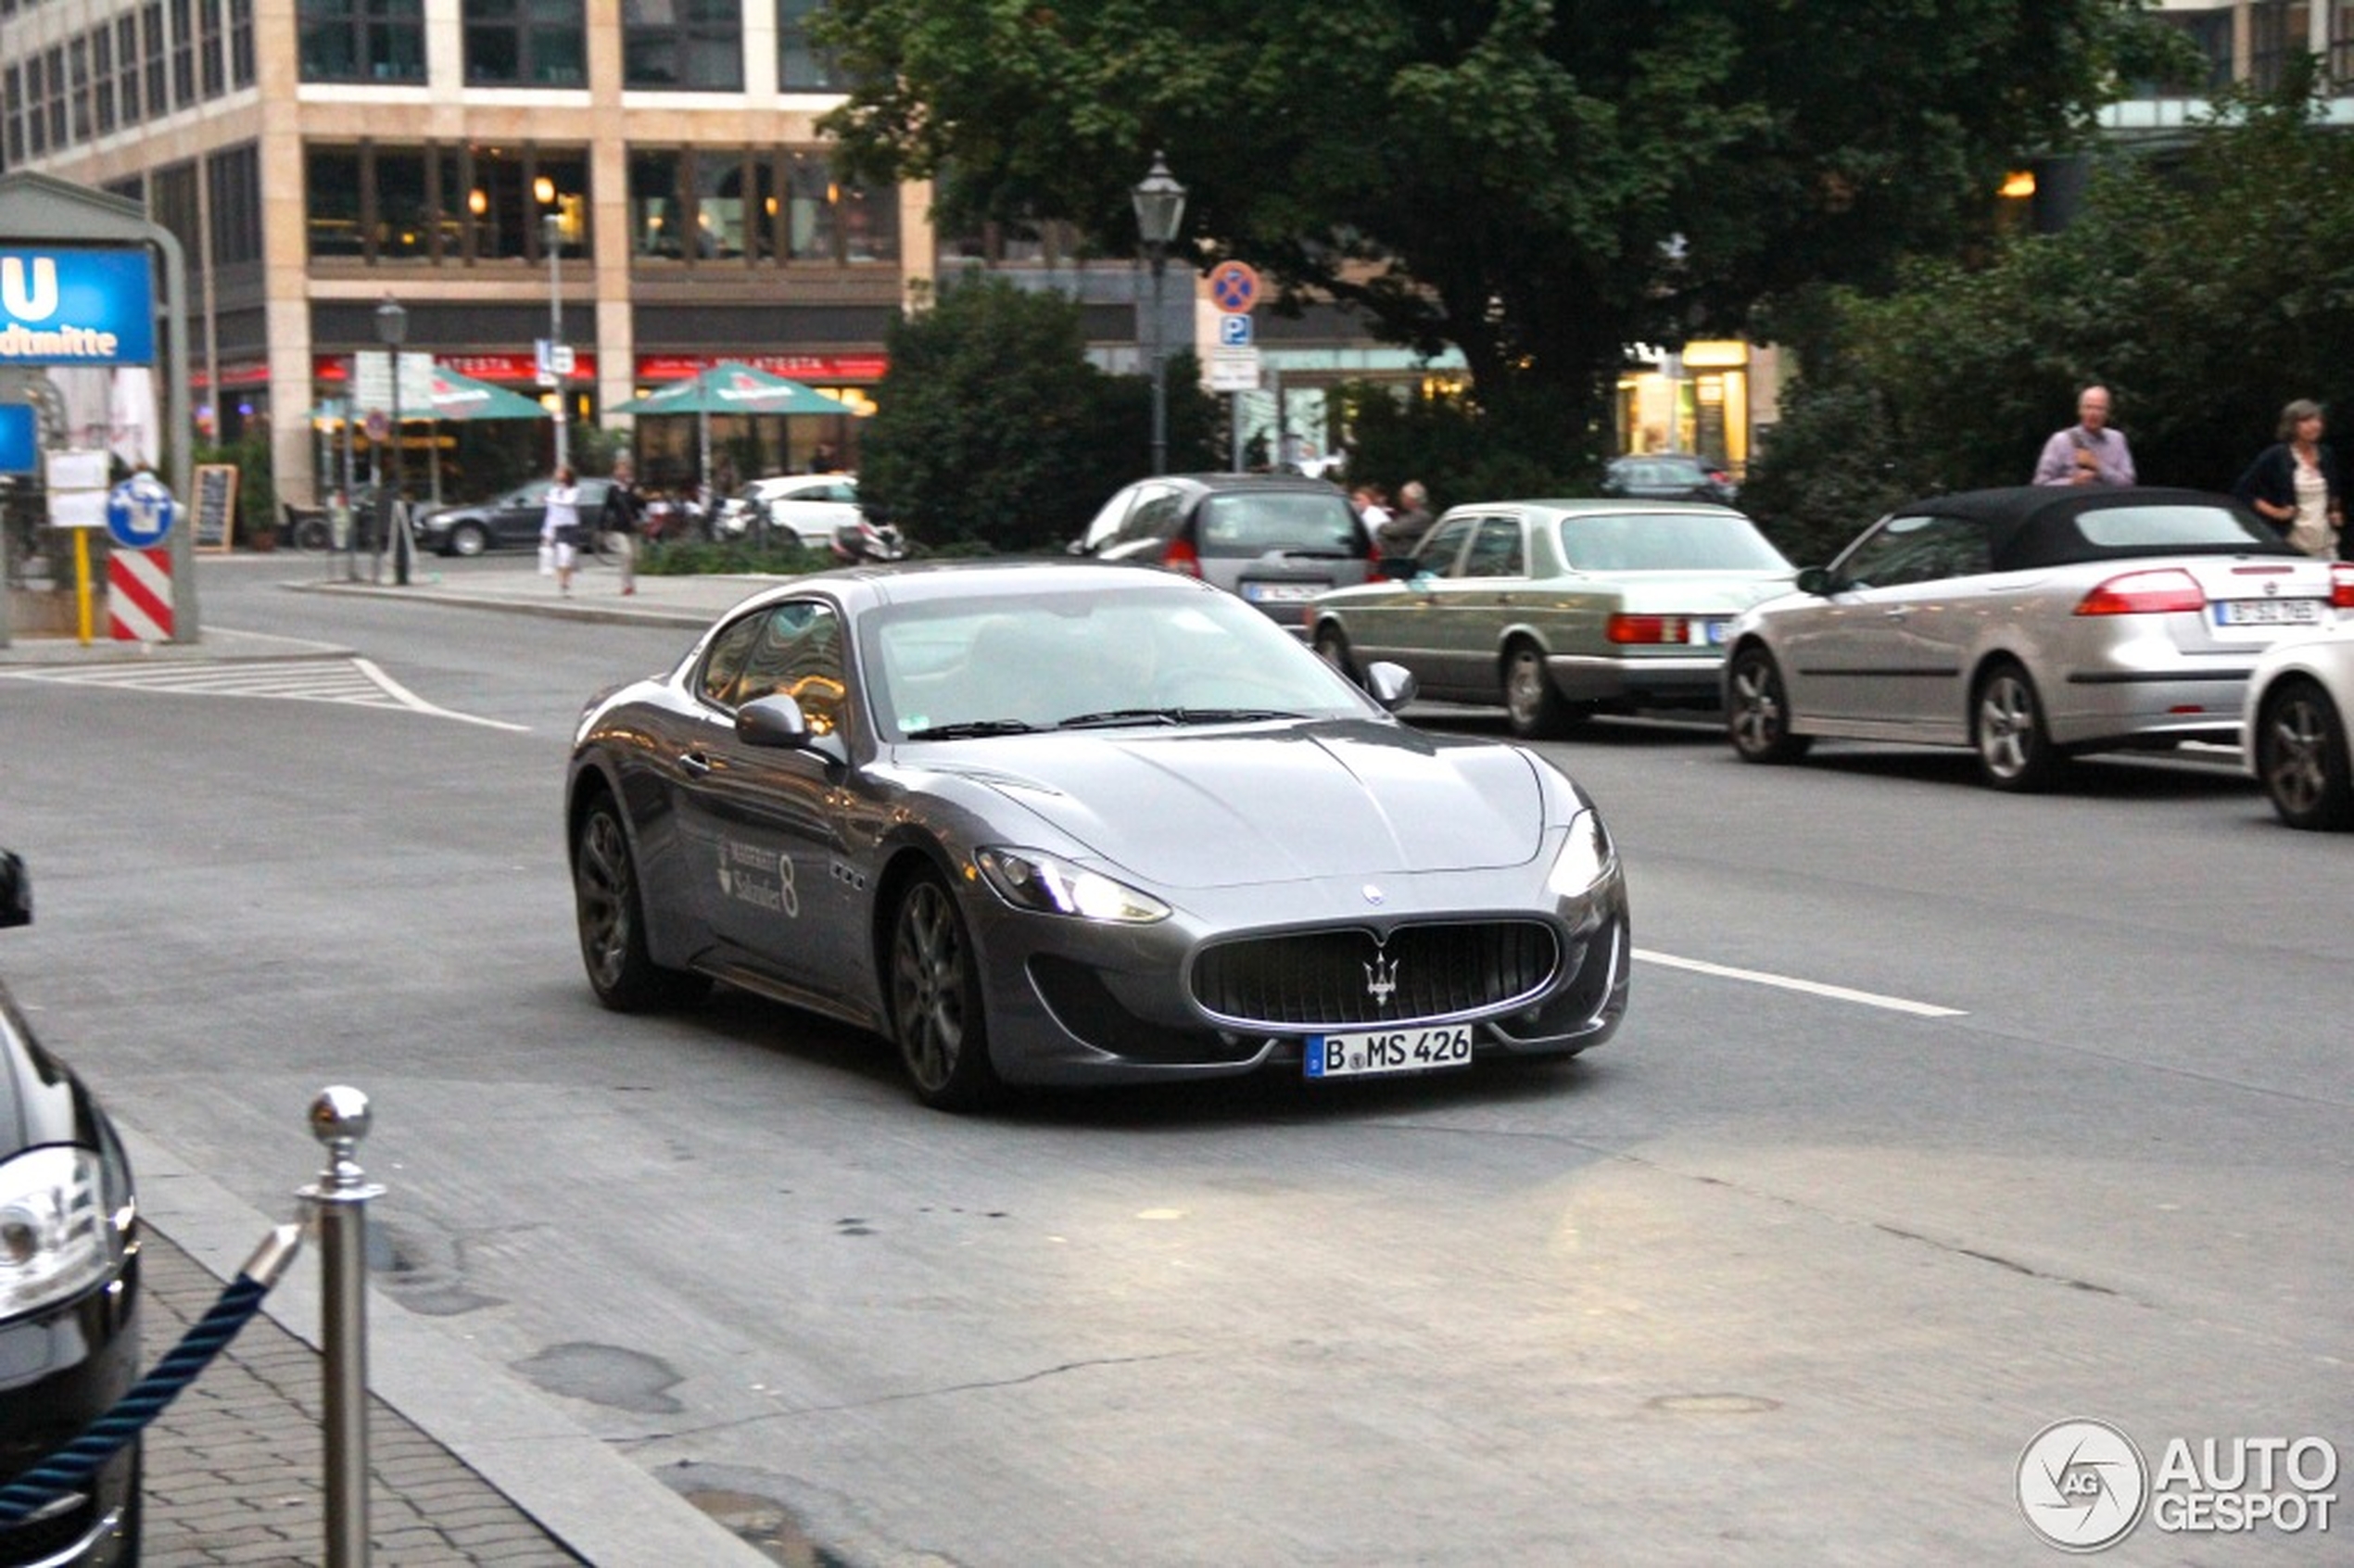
(1667, 541)
(1314, 522)
(990, 664)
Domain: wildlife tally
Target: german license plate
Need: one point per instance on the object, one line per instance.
(1388, 1050)
(2268, 612)
(1283, 594)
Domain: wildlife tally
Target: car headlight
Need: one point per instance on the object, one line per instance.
(56, 1239)
(1585, 855)
(1029, 879)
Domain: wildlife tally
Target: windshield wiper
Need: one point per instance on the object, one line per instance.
(1231, 715)
(973, 729)
(1111, 716)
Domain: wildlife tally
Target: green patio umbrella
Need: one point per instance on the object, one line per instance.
(731, 387)
(463, 399)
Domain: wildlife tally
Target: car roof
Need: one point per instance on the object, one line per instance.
(1252, 481)
(1612, 506)
(2031, 525)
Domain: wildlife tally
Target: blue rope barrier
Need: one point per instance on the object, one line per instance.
(72, 1466)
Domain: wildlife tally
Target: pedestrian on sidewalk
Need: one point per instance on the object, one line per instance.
(560, 527)
(622, 518)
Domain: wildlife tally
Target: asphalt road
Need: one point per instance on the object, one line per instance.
(1940, 1115)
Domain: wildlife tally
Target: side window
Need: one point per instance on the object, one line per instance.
(797, 654)
(1156, 515)
(1104, 527)
(1444, 544)
(723, 664)
(1906, 550)
(1496, 552)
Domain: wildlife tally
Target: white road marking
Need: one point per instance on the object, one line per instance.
(351, 680)
(1813, 987)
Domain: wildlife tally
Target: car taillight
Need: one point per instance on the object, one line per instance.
(1645, 628)
(2341, 586)
(1180, 556)
(2146, 593)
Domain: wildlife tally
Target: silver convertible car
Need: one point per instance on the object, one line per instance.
(1560, 608)
(1067, 823)
(2029, 624)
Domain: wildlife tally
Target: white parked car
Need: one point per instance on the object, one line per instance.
(2299, 710)
(809, 505)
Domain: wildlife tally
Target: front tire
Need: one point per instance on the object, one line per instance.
(2014, 746)
(611, 911)
(1757, 709)
(936, 1014)
(2301, 757)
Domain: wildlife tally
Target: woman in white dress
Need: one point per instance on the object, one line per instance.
(562, 527)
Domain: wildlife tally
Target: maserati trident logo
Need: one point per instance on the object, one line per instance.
(1381, 976)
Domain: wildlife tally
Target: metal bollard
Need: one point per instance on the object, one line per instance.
(339, 1199)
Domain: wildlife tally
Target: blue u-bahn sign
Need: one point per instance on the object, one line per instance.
(76, 308)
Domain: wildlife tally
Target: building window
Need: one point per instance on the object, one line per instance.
(655, 205)
(364, 40)
(800, 64)
(212, 70)
(126, 44)
(78, 63)
(172, 203)
(444, 206)
(241, 44)
(151, 38)
(825, 221)
(11, 115)
(2276, 33)
(183, 55)
(690, 44)
(232, 178)
(531, 43)
(102, 76)
(52, 65)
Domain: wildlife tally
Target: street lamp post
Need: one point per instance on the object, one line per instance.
(556, 336)
(1160, 207)
(392, 330)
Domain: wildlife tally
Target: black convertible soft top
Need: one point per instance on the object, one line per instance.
(2031, 525)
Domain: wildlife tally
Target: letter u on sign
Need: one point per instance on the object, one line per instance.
(29, 287)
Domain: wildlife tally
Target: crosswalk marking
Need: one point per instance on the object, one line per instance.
(344, 679)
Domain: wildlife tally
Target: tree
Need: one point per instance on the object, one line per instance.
(994, 429)
(1538, 183)
(2205, 291)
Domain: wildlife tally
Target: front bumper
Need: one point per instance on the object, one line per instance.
(60, 1371)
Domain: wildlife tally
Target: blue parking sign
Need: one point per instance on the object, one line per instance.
(19, 439)
(1234, 332)
(140, 512)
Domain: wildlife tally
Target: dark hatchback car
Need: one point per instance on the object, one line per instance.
(1669, 477)
(69, 1286)
(1276, 540)
(509, 522)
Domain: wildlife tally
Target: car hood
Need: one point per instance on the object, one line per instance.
(1233, 806)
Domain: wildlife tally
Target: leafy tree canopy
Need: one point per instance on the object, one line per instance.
(1538, 183)
(2205, 291)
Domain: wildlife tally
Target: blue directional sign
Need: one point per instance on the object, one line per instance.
(1234, 332)
(140, 512)
(19, 439)
(76, 308)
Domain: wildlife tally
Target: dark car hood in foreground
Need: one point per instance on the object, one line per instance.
(1227, 806)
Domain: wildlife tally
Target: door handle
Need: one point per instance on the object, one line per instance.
(696, 763)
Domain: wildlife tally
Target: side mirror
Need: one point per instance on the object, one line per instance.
(1817, 580)
(16, 890)
(1390, 685)
(1076, 547)
(777, 722)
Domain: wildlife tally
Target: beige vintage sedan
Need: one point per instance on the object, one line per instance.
(1560, 608)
